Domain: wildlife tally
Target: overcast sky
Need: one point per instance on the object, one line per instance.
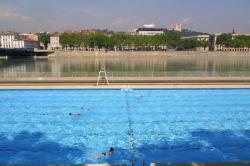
(58, 15)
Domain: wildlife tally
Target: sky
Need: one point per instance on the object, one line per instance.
(212, 16)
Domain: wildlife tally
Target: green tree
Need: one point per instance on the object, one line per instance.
(227, 40)
(189, 44)
(44, 38)
(224, 40)
(173, 39)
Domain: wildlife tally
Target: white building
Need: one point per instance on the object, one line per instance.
(27, 44)
(197, 37)
(176, 27)
(150, 30)
(237, 35)
(214, 46)
(132, 32)
(6, 40)
(13, 40)
(55, 42)
(18, 44)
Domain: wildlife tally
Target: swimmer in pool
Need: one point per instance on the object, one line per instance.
(110, 152)
(71, 114)
(105, 154)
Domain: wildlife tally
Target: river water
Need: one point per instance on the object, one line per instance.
(89, 66)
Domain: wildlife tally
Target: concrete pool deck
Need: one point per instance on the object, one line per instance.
(129, 80)
(121, 86)
(126, 82)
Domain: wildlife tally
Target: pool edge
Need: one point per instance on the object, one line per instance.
(125, 86)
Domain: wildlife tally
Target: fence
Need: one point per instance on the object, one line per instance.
(133, 74)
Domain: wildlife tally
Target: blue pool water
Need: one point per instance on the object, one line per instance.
(177, 125)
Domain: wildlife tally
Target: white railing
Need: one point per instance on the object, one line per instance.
(125, 74)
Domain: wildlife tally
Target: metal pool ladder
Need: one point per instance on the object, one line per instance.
(102, 76)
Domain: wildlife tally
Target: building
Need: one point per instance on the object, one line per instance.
(88, 31)
(29, 36)
(132, 32)
(54, 42)
(26, 44)
(237, 34)
(85, 31)
(6, 39)
(200, 38)
(197, 37)
(150, 30)
(176, 27)
(27, 41)
(216, 47)
(12, 40)
(213, 42)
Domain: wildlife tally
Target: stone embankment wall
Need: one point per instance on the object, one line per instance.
(146, 53)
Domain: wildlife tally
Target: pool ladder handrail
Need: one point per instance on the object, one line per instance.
(102, 76)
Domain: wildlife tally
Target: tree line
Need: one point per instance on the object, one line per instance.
(120, 41)
(113, 40)
(230, 41)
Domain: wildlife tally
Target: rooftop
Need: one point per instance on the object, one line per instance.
(80, 31)
(7, 33)
(152, 29)
(196, 36)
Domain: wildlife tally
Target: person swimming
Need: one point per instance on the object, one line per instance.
(72, 114)
(104, 154)
(110, 152)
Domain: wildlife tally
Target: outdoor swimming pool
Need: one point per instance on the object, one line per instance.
(161, 125)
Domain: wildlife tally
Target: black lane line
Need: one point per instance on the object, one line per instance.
(132, 144)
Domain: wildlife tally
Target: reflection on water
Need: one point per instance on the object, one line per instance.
(127, 64)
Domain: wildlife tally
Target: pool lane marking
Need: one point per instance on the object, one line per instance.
(130, 129)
